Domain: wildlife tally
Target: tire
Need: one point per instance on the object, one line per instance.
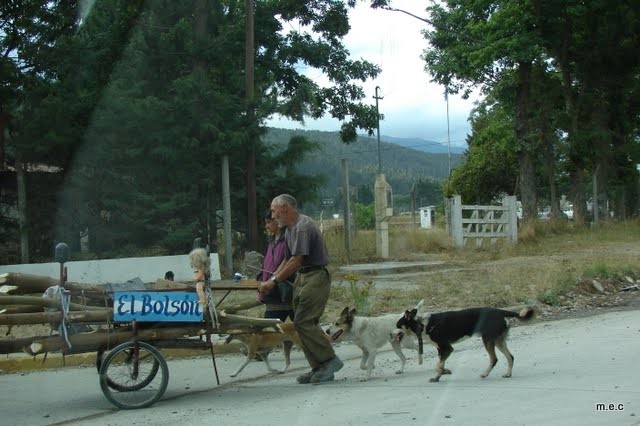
(124, 387)
(129, 381)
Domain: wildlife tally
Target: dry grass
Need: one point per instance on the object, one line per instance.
(549, 261)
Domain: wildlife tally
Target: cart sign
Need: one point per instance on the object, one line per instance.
(156, 306)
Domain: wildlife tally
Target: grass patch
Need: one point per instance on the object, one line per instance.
(355, 294)
(544, 267)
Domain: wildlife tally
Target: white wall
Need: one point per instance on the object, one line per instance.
(148, 269)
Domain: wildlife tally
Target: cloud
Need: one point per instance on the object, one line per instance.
(413, 106)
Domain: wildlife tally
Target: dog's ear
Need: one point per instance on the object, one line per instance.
(352, 313)
(345, 311)
(407, 315)
(413, 313)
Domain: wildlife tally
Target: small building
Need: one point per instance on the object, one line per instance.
(427, 217)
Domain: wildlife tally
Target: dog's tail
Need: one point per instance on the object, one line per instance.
(525, 313)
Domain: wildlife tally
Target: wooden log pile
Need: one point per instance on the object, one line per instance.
(21, 303)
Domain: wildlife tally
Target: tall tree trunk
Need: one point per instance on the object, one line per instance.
(553, 196)
(527, 173)
(201, 12)
(252, 214)
(3, 122)
(576, 175)
(21, 179)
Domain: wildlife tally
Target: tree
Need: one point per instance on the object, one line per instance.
(586, 51)
(490, 169)
(29, 32)
(364, 194)
(596, 48)
(473, 44)
(153, 132)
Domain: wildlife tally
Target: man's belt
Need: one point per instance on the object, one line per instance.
(310, 268)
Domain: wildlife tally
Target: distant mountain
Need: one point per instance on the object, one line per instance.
(402, 166)
(423, 145)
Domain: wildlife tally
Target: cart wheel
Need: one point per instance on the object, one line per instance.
(127, 357)
(129, 375)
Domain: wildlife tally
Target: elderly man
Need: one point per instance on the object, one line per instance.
(306, 258)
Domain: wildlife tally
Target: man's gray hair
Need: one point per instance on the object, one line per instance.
(283, 199)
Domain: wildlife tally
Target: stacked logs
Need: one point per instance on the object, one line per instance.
(21, 303)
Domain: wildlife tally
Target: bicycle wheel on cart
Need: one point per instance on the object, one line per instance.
(129, 375)
(127, 356)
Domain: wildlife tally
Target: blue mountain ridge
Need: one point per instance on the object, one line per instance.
(423, 145)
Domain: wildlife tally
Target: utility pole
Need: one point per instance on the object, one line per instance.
(378, 97)
(383, 198)
(226, 212)
(347, 208)
(446, 98)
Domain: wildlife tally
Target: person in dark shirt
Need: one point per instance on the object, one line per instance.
(277, 300)
(306, 259)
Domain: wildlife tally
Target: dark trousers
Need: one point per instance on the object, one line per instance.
(310, 295)
(281, 315)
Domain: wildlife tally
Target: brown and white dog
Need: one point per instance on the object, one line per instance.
(262, 343)
(445, 328)
(370, 334)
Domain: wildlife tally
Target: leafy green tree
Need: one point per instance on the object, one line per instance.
(148, 169)
(524, 50)
(472, 45)
(596, 48)
(29, 32)
(482, 178)
(364, 194)
(428, 192)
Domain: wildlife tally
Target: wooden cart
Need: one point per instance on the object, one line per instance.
(133, 372)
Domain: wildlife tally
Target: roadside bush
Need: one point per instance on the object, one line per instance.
(360, 293)
(365, 216)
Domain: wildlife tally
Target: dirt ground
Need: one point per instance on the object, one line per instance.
(586, 298)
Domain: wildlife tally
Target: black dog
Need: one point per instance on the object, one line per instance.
(445, 328)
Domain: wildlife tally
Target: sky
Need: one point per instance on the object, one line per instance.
(413, 107)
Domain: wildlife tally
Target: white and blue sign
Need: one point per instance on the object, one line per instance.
(156, 306)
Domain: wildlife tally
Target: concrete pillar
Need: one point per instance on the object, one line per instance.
(384, 210)
(511, 202)
(456, 221)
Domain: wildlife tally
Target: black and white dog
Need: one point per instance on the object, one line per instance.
(445, 328)
(370, 334)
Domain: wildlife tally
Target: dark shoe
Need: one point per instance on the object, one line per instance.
(321, 378)
(305, 378)
(326, 370)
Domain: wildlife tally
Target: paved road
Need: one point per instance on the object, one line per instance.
(562, 370)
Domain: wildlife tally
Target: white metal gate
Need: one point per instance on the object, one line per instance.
(482, 222)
